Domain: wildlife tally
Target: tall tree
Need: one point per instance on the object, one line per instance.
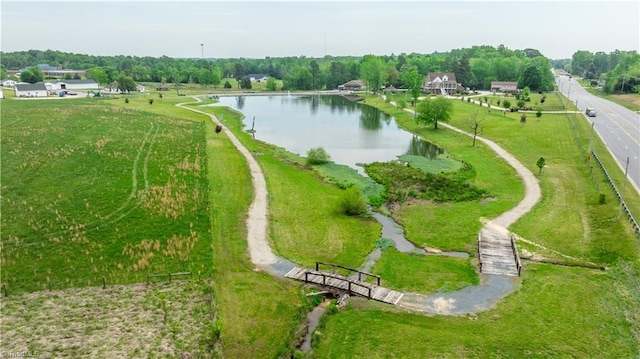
(462, 70)
(32, 75)
(315, 71)
(372, 72)
(413, 81)
(216, 77)
(126, 83)
(532, 78)
(97, 74)
(432, 111)
(238, 73)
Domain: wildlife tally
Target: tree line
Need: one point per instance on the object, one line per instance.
(474, 67)
(617, 71)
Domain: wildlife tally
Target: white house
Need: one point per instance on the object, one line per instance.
(257, 77)
(76, 85)
(1, 92)
(8, 83)
(31, 90)
(140, 88)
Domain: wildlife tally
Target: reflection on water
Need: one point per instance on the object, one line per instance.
(420, 147)
(350, 132)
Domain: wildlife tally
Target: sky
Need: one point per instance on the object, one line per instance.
(258, 29)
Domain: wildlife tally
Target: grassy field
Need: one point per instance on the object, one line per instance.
(424, 273)
(100, 191)
(196, 89)
(136, 321)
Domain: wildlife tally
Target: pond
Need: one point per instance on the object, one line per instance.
(350, 132)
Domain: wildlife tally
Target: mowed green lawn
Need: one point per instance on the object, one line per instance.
(91, 190)
(557, 311)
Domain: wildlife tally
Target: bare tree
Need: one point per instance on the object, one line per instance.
(474, 122)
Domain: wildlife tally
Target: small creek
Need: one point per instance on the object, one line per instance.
(471, 299)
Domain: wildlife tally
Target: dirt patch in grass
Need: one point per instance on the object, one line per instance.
(138, 321)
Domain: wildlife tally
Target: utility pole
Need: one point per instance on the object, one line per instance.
(626, 168)
(202, 47)
(622, 88)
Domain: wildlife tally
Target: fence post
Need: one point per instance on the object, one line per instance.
(104, 283)
(349, 286)
(49, 284)
(147, 278)
(6, 292)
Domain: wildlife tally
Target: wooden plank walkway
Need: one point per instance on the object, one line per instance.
(342, 283)
(498, 255)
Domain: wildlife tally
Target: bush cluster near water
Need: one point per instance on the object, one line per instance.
(402, 182)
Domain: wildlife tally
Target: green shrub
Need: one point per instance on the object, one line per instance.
(520, 103)
(353, 202)
(602, 199)
(384, 243)
(318, 156)
(506, 104)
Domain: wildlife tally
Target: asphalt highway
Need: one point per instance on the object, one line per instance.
(617, 126)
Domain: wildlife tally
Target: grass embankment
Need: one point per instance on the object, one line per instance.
(258, 313)
(554, 303)
(558, 312)
(91, 190)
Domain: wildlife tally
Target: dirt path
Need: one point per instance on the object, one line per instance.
(257, 219)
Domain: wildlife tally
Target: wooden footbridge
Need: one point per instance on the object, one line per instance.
(498, 255)
(348, 284)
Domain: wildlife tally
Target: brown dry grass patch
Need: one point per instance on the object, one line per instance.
(136, 321)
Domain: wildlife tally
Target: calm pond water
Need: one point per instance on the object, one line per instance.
(350, 132)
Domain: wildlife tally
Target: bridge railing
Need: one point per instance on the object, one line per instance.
(351, 285)
(360, 273)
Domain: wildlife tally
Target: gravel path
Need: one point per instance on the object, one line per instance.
(257, 219)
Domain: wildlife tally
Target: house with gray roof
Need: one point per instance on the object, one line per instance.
(31, 90)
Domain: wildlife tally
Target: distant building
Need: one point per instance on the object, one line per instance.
(53, 71)
(256, 77)
(353, 85)
(76, 85)
(504, 86)
(31, 90)
(8, 83)
(441, 83)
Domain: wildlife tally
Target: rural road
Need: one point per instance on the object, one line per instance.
(618, 127)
